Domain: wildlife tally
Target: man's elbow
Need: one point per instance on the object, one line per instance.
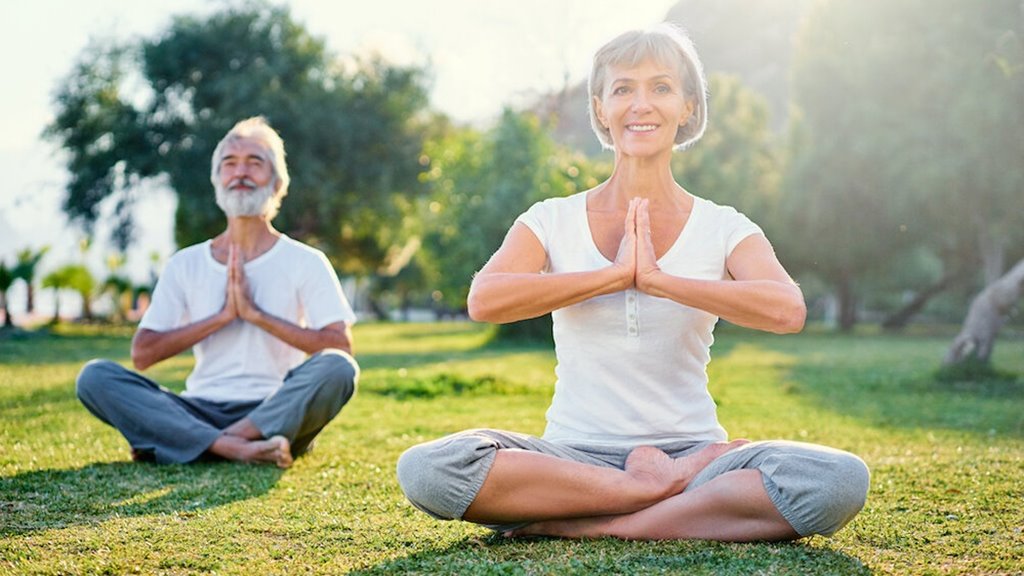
(140, 359)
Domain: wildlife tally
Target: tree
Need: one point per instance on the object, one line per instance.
(481, 182)
(351, 131)
(25, 269)
(988, 311)
(75, 277)
(6, 279)
(737, 162)
(118, 286)
(908, 115)
(851, 223)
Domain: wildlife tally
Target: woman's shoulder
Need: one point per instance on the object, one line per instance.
(720, 213)
(559, 202)
(557, 206)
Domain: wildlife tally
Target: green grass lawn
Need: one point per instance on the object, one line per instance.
(947, 460)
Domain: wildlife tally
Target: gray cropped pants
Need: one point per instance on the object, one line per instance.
(815, 488)
(176, 429)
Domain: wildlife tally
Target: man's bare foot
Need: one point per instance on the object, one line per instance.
(666, 476)
(274, 450)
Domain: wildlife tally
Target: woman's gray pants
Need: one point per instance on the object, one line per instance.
(815, 488)
(176, 429)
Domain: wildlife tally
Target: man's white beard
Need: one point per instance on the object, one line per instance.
(235, 203)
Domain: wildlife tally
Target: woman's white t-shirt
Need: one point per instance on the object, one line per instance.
(632, 367)
(241, 362)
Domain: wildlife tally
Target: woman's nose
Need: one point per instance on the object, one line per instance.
(640, 101)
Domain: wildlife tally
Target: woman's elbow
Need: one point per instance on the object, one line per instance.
(477, 308)
(792, 319)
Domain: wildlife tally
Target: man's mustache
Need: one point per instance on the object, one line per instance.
(239, 182)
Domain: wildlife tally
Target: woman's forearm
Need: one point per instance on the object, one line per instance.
(768, 305)
(502, 297)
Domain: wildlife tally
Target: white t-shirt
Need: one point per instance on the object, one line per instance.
(632, 367)
(241, 362)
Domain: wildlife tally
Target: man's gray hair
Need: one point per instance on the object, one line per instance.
(257, 128)
(668, 45)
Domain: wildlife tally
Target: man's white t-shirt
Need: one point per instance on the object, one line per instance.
(241, 362)
(632, 367)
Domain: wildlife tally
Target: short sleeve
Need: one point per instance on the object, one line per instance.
(167, 309)
(737, 229)
(323, 299)
(538, 220)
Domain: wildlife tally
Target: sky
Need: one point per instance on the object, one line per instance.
(483, 55)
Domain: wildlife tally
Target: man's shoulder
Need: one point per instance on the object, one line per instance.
(294, 251)
(192, 253)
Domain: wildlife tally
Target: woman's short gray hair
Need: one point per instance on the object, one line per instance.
(668, 45)
(256, 128)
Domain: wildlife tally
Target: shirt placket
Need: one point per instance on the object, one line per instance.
(632, 314)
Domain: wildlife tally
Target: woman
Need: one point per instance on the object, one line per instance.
(635, 273)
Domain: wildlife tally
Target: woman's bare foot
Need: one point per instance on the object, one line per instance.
(592, 527)
(647, 465)
(666, 476)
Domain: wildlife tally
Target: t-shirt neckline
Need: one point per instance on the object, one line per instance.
(675, 243)
(255, 261)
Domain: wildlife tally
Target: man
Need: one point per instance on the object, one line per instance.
(251, 303)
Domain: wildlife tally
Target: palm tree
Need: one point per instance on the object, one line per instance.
(25, 269)
(58, 280)
(76, 277)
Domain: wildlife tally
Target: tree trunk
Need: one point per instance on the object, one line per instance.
(7, 313)
(899, 319)
(56, 307)
(30, 298)
(993, 256)
(847, 302)
(86, 307)
(985, 317)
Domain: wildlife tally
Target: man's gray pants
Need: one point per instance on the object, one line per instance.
(176, 429)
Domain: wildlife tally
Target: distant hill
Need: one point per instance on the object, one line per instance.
(752, 39)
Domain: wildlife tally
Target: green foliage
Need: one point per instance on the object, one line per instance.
(480, 184)
(74, 277)
(737, 161)
(351, 131)
(945, 461)
(908, 121)
(404, 387)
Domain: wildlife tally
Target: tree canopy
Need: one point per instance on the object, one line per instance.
(158, 107)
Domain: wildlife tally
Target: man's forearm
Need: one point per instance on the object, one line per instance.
(152, 346)
(336, 335)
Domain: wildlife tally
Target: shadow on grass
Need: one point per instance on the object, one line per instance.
(497, 555)
(46, 499)
(891, 382)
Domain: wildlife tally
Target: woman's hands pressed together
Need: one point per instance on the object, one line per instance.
(636, 257)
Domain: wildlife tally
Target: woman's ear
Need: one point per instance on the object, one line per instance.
(599, 112)
(687, 112)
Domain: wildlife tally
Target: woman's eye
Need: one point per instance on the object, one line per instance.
(621, 90)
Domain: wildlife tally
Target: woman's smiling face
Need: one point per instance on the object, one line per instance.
(643, 107)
